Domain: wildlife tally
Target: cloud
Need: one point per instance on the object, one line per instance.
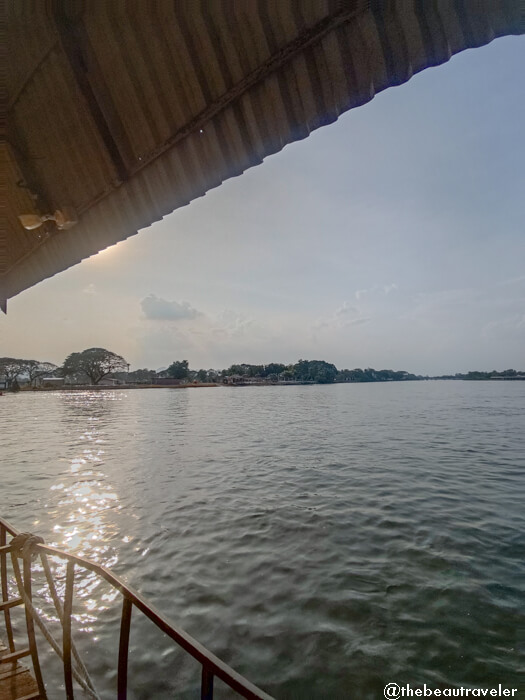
(376, 290)
(512, 281)
(157, 309)
(502, 327)
(232, 324)
(344, 316)
(346, 311)
(359, 321)
(90, 289)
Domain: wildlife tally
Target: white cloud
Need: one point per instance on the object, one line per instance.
(376, 290)
(232, 324)
(512, 281)
(359, 321)
(346, 311)
(506, 326)
(157, 309)
(344, 316)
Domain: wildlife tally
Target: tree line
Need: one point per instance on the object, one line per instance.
(480, 376)
(316, 371)
(95, 364)
(11, 369)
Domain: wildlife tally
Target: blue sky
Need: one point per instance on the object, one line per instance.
(392, 238)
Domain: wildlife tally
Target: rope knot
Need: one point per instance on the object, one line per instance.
(24, 544)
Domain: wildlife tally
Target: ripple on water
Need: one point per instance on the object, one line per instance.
(323, 540)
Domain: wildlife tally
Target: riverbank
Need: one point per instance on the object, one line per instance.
(111, 387)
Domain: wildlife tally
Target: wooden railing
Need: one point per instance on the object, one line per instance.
(211, 665)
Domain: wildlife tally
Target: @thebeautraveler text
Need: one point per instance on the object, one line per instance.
(393, 691)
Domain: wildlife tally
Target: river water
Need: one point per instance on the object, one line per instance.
(323, 540)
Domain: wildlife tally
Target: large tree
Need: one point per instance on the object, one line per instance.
(11, 368)
(95, 363)
(141, 376)
(178, 369)
(315, 371)
(36, 369)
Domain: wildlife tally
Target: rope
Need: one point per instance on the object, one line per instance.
(60, 612)
(23, 545)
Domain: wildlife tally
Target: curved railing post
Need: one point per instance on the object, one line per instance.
(5, 589)
(66, 625)
(206, 684)
(211, 665)
(123, 651)
(31, 627)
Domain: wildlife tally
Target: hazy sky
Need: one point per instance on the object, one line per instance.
(393, 238)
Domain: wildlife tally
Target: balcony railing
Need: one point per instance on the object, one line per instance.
(28, 548)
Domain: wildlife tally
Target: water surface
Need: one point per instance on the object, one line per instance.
(324, 540)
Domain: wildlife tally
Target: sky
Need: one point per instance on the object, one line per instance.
(393, 238)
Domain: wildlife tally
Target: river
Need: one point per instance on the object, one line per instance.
(323, 540)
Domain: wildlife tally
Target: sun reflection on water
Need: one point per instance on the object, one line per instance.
(85, 501)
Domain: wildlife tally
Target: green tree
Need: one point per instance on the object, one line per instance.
(202, 375)
(288, 373)
(36, 369)
(273, 370)
(141, 376)
(235, 369)
(179, 369)
(475, 375)
(11, 368)
(315, 371)
(94, 363)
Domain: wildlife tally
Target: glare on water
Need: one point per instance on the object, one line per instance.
(322, 540)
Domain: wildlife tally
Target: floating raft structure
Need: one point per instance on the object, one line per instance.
(22, 550)
(16, 681)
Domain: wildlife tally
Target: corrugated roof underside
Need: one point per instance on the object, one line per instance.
(194, 93)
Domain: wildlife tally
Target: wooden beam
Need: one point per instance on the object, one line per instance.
(91, 83)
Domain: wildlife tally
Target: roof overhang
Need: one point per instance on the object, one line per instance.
(122, 111)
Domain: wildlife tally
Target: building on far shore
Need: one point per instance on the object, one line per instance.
(510, 377)
(51, 382)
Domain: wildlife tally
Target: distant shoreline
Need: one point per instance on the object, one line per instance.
(208, 385)
(102, 367)
(109, 387)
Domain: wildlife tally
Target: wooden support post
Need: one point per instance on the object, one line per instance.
(206, 684)
(123, 652)
(31, 630)
(5, 590)
(66, 625)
